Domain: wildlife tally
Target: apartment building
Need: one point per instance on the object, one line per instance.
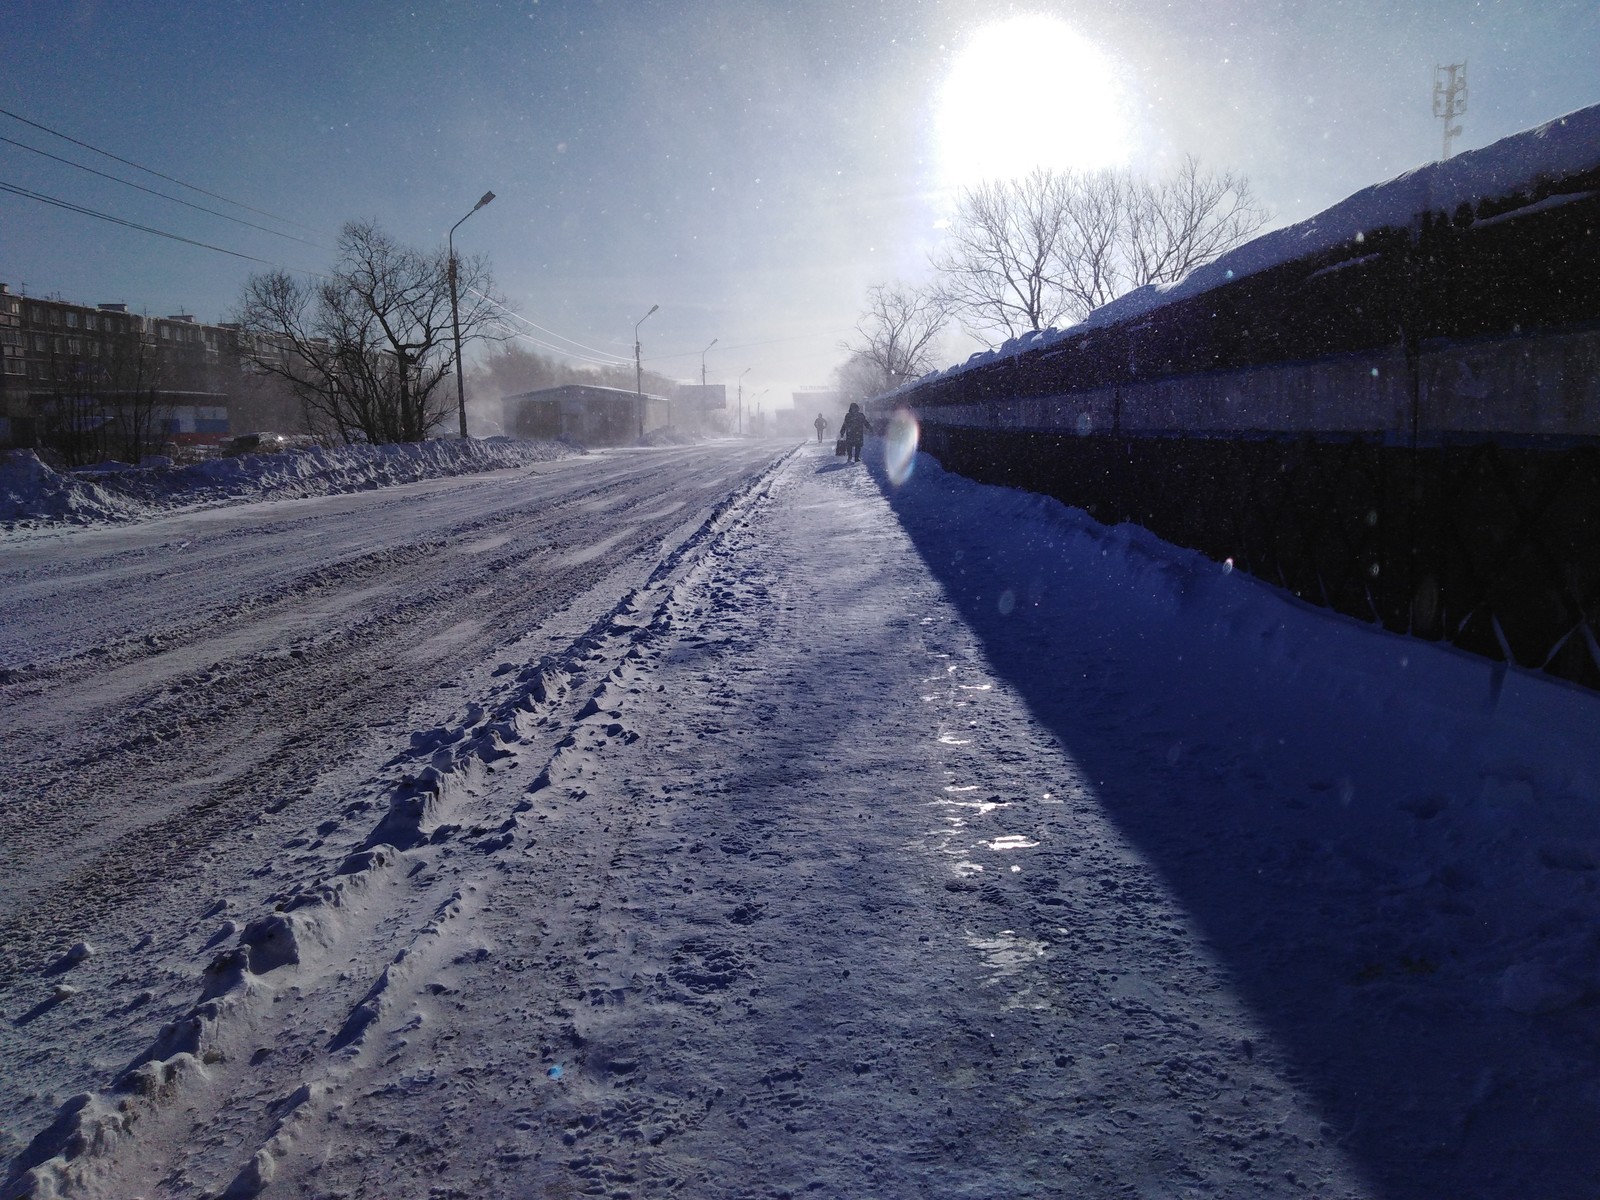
(73, 377)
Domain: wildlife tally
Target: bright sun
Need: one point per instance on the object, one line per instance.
(1029, 92)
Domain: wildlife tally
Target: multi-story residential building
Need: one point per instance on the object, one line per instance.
(80, 379)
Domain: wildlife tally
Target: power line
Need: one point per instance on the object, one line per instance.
(798, 337)
(801, 337)
(128, 162)
(90, 212)
(517, 333)
(163, 195)
(620, 361)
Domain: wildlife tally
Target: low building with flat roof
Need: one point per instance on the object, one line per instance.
(590, 416)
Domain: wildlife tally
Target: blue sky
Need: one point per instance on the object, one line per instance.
(750, 167)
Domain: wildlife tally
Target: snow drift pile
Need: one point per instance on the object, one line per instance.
(32, 494)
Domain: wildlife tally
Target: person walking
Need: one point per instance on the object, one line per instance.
(854, 432)
(822, 427)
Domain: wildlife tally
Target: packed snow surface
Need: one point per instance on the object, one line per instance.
(732, 821)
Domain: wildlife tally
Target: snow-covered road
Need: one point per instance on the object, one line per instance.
(722, 822)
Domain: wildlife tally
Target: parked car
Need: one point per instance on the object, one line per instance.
(256, 443)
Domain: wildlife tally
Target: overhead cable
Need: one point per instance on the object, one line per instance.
(128, 162)
(163, 195)
(798, 337)
(91, 212)
(505, 308)
(517, 333)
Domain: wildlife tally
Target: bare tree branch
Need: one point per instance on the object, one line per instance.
(897, 334)
(367, 349)
(998, 270)
(1025, 254)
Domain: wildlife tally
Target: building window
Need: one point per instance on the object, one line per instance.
(72, 320)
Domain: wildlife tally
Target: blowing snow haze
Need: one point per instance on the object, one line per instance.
(1148, 757)
(753, 169)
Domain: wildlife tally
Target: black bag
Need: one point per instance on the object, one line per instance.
(839, 447)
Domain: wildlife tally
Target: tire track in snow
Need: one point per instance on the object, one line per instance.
(427, 817)
(754, 974)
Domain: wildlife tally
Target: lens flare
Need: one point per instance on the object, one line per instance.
(900, 451)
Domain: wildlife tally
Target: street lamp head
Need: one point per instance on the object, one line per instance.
(653, 308)
(487, 196)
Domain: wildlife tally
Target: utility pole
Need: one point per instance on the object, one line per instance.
(704, 406)
(1450, 99)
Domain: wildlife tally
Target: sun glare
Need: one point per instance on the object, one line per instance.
(1029, 92)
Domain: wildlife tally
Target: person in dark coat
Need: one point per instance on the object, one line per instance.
(854, 431)
(822, 427)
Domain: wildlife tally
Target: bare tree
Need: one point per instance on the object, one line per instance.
(367, 349)
(897, 334)
(1088, 256)
(108, 403)
(1185, 221)
(132, 378)
(1024, 254)
(514, 369)
(1000, 269)
(856, 379)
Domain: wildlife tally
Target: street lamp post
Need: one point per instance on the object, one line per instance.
(638, 366)
(703, 354)
(704, 404)
(455, 313)
(742, 374)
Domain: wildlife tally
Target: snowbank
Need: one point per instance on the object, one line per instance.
(31, 494)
